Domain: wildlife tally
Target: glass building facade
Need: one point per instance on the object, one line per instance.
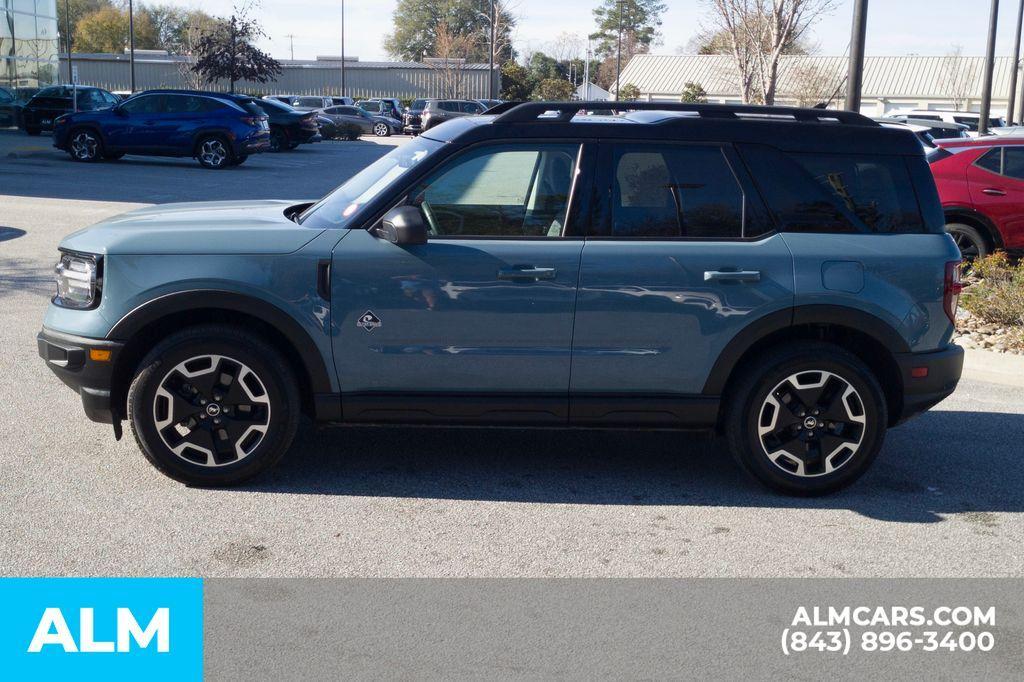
(28, 45)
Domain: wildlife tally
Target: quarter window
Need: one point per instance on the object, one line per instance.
(506, 191)
(992, 160)
(661, 192)
(1013, 162)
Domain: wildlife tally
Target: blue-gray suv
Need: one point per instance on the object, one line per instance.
(779, 275)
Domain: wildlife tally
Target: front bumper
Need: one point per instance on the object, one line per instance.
(941, 373)
(72, 360)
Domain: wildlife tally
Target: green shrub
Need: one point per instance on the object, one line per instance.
(997, 295)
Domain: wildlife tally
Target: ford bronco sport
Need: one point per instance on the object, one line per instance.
(780, 275)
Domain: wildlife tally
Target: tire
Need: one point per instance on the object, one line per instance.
(278, 140)
(33, 131)
(214, 152)
(293, 145)
(85, 145)
(353, 137)
(173, 381)
(381, 130)
(822, 451)
(969, 239)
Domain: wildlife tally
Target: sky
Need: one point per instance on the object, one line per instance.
(895, 27)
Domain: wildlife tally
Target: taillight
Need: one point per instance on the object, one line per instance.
(951, 289)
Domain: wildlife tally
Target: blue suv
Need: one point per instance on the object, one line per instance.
(218, 130)
(779, 275)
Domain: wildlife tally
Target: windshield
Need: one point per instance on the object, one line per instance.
(338, 208)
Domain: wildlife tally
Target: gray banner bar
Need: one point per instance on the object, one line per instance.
(612, 629)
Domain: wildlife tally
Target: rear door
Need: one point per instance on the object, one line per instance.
(679, 261)
(476, 323)
(996, 183)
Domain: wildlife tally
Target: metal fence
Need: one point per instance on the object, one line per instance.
(406, 80)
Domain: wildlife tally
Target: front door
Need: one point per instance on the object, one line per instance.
(996, 182)
(476, 324)
(679, 260)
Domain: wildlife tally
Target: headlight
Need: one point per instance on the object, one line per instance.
(78, 280)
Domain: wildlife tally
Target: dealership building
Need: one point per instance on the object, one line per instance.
(28, 44)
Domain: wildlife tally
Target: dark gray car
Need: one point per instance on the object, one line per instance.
(353, 122)
(440, 110)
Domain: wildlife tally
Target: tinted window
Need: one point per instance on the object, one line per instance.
(674, 191)
(471, 108)
(1013, 162)
(505, 191)
(971, 123)
(309, 102)
(148, 104)
(837, 192)
(418, 104)
(991, 160)
(448, 106)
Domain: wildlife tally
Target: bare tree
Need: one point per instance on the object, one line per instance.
(449, 62)
(758, 33)
(810, 84)
(192, 30)
(565, 47)
(958, 77)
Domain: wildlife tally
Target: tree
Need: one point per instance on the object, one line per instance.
(958, 77)
(516, 85)
(811, 85)
(105, 30)
(554, 90)
(78, 10)
(629, 93)
(758, 32)
(694, 93)
(227, 52)
(172, 26)
(416, 24)
(639, 19)
(451, 50)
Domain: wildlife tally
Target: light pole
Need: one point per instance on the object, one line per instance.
(1014, 66)
(855, 73)
(990, 62)
(342, 48)
(618, 53)
(490, 70)
(67, 37)
(131, 46)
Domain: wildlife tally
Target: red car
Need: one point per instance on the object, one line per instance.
(981, 185)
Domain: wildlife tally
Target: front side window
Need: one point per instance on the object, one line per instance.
(670, 191)
(504, 191)
(970, 122)
(150, 104)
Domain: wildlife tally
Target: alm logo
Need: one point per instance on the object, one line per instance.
(53, 631)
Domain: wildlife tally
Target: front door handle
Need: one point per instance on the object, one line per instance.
(993, 192)
(732, 275)
(521, 273)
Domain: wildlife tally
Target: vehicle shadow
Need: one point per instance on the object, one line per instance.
(940, 463)
(18, 275)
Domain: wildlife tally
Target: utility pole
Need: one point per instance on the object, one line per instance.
(990, 62)
(131, 45)
(490, 70)
(342, 48)
(855, 70)
(618, 53)
(67, 37)
(291, 44)
(586, 73)
(1014, 65)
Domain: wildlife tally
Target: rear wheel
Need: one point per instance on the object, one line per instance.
(213, 152)
(381, 129)
(806, 419)
(278, 140)
(85, 145)
(969, 239)
(213, 405)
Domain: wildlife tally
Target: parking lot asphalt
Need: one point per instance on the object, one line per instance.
(945, 498)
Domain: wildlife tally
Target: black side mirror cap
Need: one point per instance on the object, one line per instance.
(404, 226)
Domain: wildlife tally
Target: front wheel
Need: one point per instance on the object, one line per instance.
(214, 153)
(213, 406)
(381, 129)
(806, 419)
(33, 131)
(85, 145)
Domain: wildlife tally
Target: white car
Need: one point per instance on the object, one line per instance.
(971, 119)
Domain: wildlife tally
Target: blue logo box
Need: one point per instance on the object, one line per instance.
(101, 628)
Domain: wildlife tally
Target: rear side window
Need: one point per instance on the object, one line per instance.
(676, 191)
(1013, 162)
(418, 104)
(992, 160)
(448, 106)
(836, 192)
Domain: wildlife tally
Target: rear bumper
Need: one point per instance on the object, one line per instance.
(70, 358)
(941, 370)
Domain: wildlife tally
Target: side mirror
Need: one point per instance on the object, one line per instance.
(404, 226)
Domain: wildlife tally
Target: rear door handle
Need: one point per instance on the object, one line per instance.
(732, 275)
(993, 192)
(526, 273)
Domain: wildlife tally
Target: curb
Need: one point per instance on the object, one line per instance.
(995, 368)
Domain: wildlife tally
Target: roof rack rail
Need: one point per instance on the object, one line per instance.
(526, 112)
